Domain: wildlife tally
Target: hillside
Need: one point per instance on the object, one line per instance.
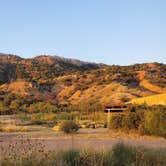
(68, 81)
(151, 100)
(42, 67)
(146, 84)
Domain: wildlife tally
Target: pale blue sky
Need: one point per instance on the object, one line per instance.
(107, 31)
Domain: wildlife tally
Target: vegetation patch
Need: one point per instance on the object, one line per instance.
(13, 128)
(120, 155)
(69, 126)
(143, 119)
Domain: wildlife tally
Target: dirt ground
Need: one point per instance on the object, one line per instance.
(86, 138)
(98, 139)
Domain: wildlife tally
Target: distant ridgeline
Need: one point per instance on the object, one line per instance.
(56, 81)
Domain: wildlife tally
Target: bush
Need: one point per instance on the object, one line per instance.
(130, 121)
(89, 106)
(144, 119)
(155, 122)
(122, 155)
(141, 129)
(43, 118)
(116, 121)
(71, 157)
(44, 107)
(4, 110)
(64, 116)
(127, 121)
(69, 126)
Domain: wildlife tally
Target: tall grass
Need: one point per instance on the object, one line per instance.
(119, 155)
(39, 118)
(13, 128)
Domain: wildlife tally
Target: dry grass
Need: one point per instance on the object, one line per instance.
(151, 100)
(13, 128)
(105, 93)
(119, 155)
(146, 84)
(18, 87)
(56, 128)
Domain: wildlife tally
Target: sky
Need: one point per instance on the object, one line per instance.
(106, 31)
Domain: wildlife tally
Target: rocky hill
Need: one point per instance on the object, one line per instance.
(61, 80)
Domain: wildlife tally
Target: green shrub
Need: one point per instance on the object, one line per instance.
(71, 157)
(127, 121)
(42, 107)
(123, 155)
(69, 126)
(64, 116)
(116, 121)
(144, 119)
(130, 121)
(43, 118)
(155, 122)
